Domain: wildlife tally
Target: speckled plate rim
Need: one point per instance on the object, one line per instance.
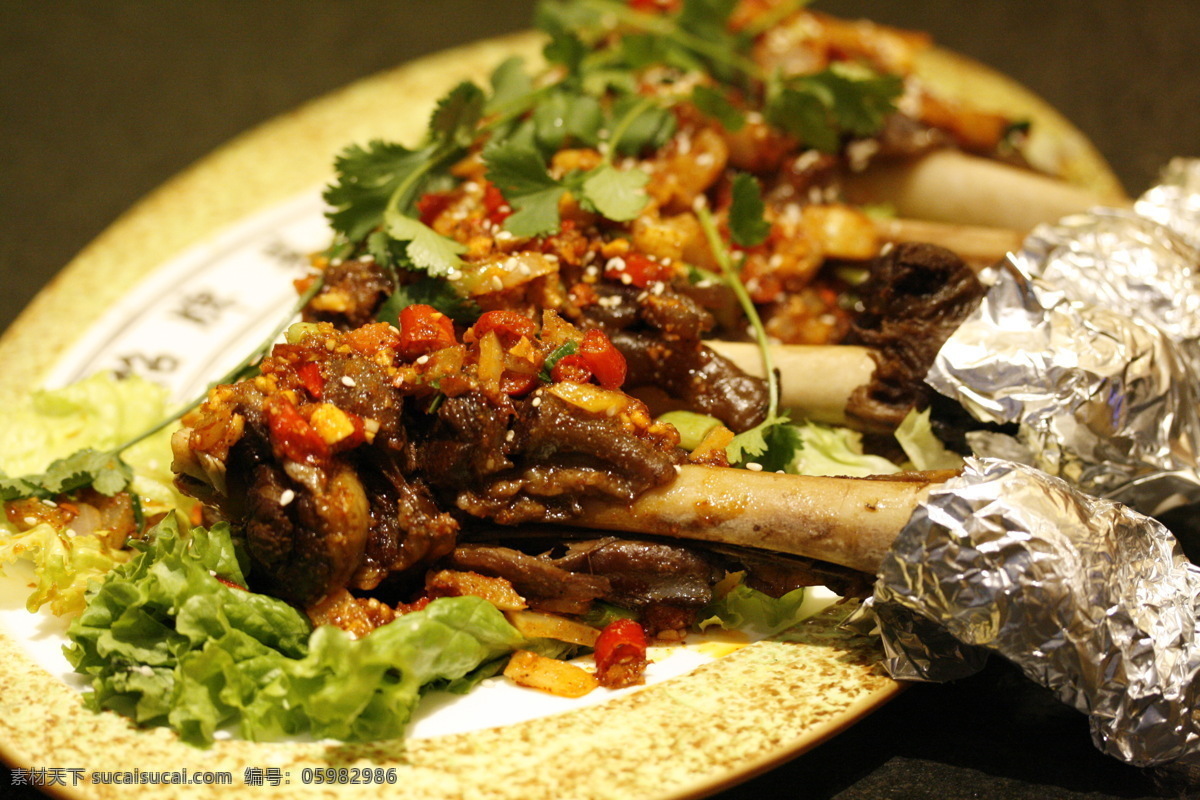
(693, 735)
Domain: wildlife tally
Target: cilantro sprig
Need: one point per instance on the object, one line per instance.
(519, 171)
(820, 110)
(377, 187)
(772, 444)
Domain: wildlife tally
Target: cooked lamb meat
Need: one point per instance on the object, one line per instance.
(348, 458)
(918, 295)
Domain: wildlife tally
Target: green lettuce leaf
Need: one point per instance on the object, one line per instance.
(60, 425)
(828, 450)
(168, 643)
(921, 445)
(743, 607)
(63, 565)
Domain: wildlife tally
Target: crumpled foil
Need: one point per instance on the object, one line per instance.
(1042, 551)
(1089, 340)
(1088, 597)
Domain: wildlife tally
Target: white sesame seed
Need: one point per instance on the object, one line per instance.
(453, 274)
(50, 503)
(754, 466)
(508, 437)
(367, 258)
(423, 360)
(286, 497)
(348, 381)
(497, 284)
(705, 159)
(626, 279)
(537, 401)
(615, 264)
(31, 520)
(678, 469)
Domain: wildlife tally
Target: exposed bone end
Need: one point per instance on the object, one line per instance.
(949, 186)
(815, 380)
(846, 521)
(978, 245)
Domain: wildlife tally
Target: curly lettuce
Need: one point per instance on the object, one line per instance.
(98, 413)
(171, 638)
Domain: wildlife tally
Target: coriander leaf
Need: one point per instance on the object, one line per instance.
(389, 253)
(704, 25)
(772, 444)
(747, 225)
(567, 49)
(561, 18)
(510, 83)
(520, 173)
(641, 50)
(535, 214)
(454, 120)
(431, 292)
(103, 471)
(563, 118)
(428, 250)
(366, 179)
(860, 102)
(805, 116)
(713, 103)
(640, 125)
(617, 194)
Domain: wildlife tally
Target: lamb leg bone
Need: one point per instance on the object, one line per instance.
(949, 186)
(845, 521)
(815, 380)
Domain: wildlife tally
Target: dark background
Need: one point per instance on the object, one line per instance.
(100, 102)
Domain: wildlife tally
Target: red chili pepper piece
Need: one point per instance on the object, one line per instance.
(508, 325)
(431, 205)
(229, 583)
(495, 206)
(424, 329)
(311, 379)
(638, 270)
(621, 654)
(604, 360)
(292, 434)
(572, 368)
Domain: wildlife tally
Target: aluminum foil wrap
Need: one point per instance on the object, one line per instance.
(1089, 340)
(1087, 596)
(1043, 551)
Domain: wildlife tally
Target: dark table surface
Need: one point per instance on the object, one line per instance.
(101, 102)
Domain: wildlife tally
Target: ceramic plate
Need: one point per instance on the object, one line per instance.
(184, 284)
